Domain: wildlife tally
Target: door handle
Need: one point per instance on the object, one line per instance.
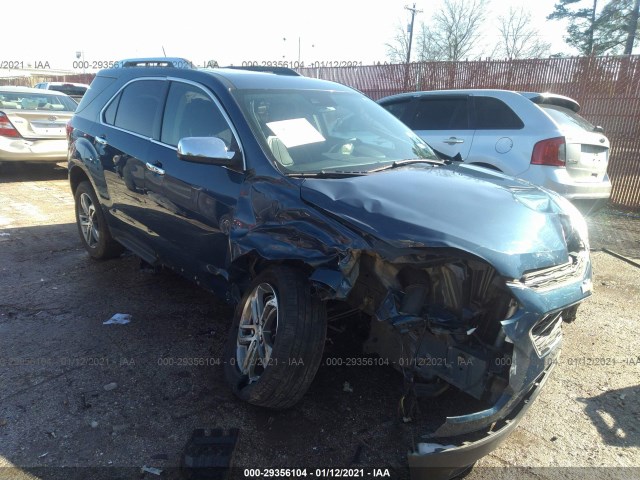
(154, 169)
(453, 140)
(101, 140)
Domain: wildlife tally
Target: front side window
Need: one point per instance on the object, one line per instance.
(323, 131)
(446, 113)
(190, 112)
(140, 106)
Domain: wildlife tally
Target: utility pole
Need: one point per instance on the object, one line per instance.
(413, 16)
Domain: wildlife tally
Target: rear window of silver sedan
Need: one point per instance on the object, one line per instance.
(36, 101)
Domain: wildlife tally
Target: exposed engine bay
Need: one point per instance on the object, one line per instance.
(437, 320)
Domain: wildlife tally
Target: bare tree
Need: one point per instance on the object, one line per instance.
(517, 38)
(397, 49)
(454, 31)
(632, 29)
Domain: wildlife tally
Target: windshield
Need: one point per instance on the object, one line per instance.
(35, 101)
(312, 131)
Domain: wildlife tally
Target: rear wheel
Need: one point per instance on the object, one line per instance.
(276, 342)
(92, 227)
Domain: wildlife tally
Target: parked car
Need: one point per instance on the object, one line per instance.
(74, 90)
(32, 124)
(282, 193)
(539, 137)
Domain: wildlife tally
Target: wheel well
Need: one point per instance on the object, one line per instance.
(486, 165)
(76, 175)
(243, 270)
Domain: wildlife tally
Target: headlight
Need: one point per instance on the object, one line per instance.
(578, 222)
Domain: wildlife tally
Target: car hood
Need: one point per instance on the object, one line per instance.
(513, 225)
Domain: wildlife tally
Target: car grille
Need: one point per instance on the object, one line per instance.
(557, 275)
(547, 333)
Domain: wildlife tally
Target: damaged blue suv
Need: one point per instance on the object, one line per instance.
(282, 193)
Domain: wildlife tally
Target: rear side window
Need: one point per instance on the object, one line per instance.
(190, 112)
(140, 107)
(446, 113)
(494, 114)
(398, 108)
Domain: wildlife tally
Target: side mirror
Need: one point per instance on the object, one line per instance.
(210, 150)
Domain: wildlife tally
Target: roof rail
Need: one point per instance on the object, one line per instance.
(274, 70)
(172, 62)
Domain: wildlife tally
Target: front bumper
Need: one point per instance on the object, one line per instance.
(451, 460)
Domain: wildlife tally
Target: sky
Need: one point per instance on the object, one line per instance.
(227, 32)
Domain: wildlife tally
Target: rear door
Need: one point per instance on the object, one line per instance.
(443, 122)
(499, 136)
(129, 122)
(587, 150)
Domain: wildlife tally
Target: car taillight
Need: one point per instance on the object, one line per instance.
(69, 129)
(6, 127)
(551, 151)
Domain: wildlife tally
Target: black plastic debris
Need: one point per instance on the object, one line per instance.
(208, 454)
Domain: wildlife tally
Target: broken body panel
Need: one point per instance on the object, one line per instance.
(476, 303)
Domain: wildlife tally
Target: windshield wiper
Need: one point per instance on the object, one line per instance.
(401, 163)
(326, 174)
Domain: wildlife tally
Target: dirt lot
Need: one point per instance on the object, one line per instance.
(80, 394)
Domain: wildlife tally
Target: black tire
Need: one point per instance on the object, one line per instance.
(92, 226)
(296, 348)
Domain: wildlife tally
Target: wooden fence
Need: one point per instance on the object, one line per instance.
(607, 88)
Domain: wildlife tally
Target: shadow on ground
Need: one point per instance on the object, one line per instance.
(613, 413)
(32, 172)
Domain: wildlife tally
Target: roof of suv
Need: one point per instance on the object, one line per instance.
(233, 77)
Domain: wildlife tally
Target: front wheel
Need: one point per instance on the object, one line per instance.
(92, 226)
(276, 341)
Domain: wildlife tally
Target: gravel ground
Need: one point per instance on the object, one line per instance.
(80, 394)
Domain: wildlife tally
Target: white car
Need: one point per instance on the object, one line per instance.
(74, 90)
(538, 137)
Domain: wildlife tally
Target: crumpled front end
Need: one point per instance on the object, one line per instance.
(460, 294)
(453, 321)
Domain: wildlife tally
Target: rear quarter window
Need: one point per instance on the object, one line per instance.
(98, 85)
